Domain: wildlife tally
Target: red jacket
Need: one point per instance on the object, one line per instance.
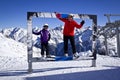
(68, 26)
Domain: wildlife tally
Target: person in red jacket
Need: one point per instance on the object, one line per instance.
(68, 32)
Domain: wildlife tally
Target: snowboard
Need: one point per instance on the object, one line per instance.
(70, 58)
(64, 15)
(63, 58)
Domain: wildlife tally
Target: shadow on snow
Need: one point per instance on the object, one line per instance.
(107, 74)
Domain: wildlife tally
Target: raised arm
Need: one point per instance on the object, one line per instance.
(36, 33)
(79, 25)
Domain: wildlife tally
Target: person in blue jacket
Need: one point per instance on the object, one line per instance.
(45, 37)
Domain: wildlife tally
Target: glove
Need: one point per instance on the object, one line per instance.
(32, 30)
(82, 22)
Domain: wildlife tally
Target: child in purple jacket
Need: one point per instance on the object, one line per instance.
(45, 37)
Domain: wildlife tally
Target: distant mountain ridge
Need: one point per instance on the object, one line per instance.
(83, 39)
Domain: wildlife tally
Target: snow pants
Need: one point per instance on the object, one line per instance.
(44, 47)
(72, 41)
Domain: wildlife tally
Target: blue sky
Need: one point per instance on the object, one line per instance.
(13, 12)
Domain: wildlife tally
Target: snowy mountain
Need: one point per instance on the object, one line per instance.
(82, 38)
(13, 60)
(17, 34)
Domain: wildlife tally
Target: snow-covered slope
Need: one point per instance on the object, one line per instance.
(16, 69)
(13, 66)
(10, 47)
(17, 34)
(82, 38)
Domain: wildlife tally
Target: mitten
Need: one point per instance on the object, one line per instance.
(82, 22)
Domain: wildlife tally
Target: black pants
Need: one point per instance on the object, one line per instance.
(44, 47)
(71, 38)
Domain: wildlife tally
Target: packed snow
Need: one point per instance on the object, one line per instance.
(14, 65)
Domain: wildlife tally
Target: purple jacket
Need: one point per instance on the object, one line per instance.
(44, 34)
